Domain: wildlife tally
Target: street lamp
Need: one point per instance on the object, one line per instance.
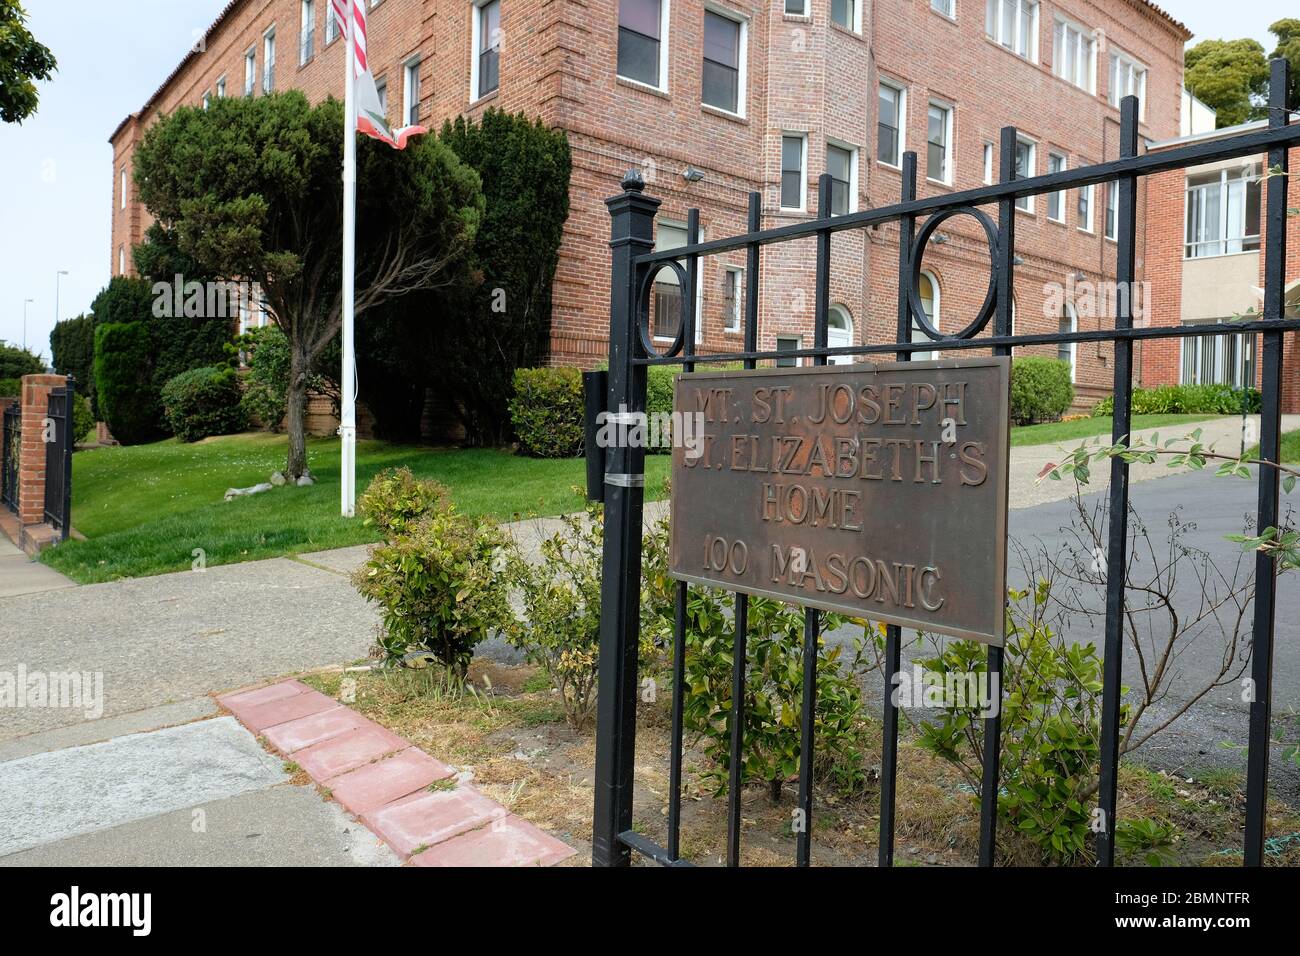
(25, 304)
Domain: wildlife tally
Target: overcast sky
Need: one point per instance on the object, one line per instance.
(56, 168)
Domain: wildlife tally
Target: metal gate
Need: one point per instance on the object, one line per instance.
(10, 445)
(58, 458)
(632, 349)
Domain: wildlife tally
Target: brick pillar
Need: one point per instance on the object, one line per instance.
(31, 461)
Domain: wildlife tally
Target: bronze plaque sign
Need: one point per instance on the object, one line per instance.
(875, 490)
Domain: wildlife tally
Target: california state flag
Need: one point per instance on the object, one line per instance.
(370, 111)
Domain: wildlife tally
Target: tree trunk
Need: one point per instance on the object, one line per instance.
(295, 418)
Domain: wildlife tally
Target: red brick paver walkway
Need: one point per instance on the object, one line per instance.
(397, 790)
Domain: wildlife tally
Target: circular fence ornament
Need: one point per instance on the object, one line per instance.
(918, 253)
(643, 310)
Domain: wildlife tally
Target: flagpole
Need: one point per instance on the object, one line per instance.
(347, 416)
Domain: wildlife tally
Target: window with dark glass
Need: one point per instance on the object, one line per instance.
(667, 316)
(792, 172)
(638, 40)
(839, 163)
(489, 47)
(787, 343)
(721, 62)
(936, 158)
(842, 13)
(888, 124)
(1024, 169)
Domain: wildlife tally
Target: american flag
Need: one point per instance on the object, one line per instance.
(371, 118)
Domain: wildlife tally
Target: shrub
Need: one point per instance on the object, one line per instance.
(1188, 400)
(16, 362)
(83, 419)
(267, 351)
(203, 402)
(11, 387)
(72, 345)
(548, 412)
(1040, 389)
(441, 589)
(396, 500)
(126, 397)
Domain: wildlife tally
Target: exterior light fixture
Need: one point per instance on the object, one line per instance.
(692, 175)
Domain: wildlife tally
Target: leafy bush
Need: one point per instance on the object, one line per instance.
(441, 588)
(72, 345)
(396, 500)
(123, 385)
(1051, 727)
(83, 420)
(203, 402)
(548, 412)
(267, 352)
(16, 362)
(11, 387)
(1188, 400)
(1041, 389)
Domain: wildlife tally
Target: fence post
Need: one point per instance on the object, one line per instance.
(69, 443)
(631, 234)
(1270, 431)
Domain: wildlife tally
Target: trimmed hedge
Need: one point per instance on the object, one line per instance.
(203, 402)
(11, 387)
(1041, 389)
(83, 419)
(548, 412)
(123, 365)
(1188, 400)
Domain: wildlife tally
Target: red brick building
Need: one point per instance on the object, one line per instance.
(1206, 264)
(714, 98)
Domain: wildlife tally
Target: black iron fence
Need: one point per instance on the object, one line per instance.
(632, 349)
(58, 458)
(10, 448)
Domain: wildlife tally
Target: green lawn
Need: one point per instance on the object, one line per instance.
(145, 509)
(1050, 433)
(1290, 448)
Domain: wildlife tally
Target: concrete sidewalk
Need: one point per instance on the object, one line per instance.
(19, 574)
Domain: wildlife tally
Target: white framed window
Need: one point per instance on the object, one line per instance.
(411, 92)
(1056, 201)
(250, 71)
(842, 164)
(927, 288)
(381, 87)
(989, 153)
(891, 123)
(1223, 210)
(643, 42)
(938, 135)
(307, 37)
(733, 298)
(268, 60)
(121, 260)
(1014, 25)
(1128, 77)
(1227, 359)
(794, 165)
(723, 78)
(1084, 210)
(122, 189)
(1067, 325)
(839, 333)
(485, 67)
(333, 29)
(847, 14)
(1074, 54)
(1026, 165)
(788, 343)
(1112, 210)
(667, 315)
(207, 99)
(796, 8)
(221, 88)
(946, 7)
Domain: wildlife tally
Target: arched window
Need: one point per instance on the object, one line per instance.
(927, 287)
(839, 333)
(1067, 351)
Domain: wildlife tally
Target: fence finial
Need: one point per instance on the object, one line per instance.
(632, 181)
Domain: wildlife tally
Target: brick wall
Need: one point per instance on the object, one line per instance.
(31, 461)
(804, 74)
